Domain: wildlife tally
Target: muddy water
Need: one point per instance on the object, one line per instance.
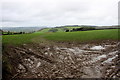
(64, 62)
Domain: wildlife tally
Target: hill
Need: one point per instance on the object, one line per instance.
(21, 29)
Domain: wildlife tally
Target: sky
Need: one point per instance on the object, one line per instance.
(16, 13)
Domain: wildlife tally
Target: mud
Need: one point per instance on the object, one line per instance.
(78, 61)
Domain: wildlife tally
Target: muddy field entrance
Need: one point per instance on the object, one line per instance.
(78, 61)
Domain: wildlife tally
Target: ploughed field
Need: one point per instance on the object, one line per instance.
(66, 61)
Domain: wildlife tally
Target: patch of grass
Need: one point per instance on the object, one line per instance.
(83, 36)
(19, 39)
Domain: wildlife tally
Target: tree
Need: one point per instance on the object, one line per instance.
(67, 30)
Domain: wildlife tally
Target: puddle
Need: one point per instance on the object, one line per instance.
(110, 45)
(105, 56)
(72, 50)
(99, 58)
(76, 50)
(97, 48)
(110, 59)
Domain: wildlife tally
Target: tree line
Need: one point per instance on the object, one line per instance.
(13, 33)
(81, 29)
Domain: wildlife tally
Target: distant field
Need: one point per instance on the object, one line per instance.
(70, 28)
(79, 36)
(84, 35)
(61, 29)
(45, 30)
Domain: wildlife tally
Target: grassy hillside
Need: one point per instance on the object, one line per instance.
(44, 30)
(84, 35)
(79, 36)
(59, 29)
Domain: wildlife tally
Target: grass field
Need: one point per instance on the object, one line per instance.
(19, 39)
(79, 36)
(84, 35)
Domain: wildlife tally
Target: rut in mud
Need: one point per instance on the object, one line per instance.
(80, 61)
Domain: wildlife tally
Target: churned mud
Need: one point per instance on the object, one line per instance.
(78, 61)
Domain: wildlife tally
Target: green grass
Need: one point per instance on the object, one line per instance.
(19, 39)
(83, 36)
(79, 36)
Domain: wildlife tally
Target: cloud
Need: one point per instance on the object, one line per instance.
(59, 12)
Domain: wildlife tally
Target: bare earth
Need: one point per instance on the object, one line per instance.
(68, 61)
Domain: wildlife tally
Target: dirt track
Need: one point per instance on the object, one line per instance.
(80, 61)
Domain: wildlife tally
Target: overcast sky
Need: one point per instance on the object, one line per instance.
(58, 12)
